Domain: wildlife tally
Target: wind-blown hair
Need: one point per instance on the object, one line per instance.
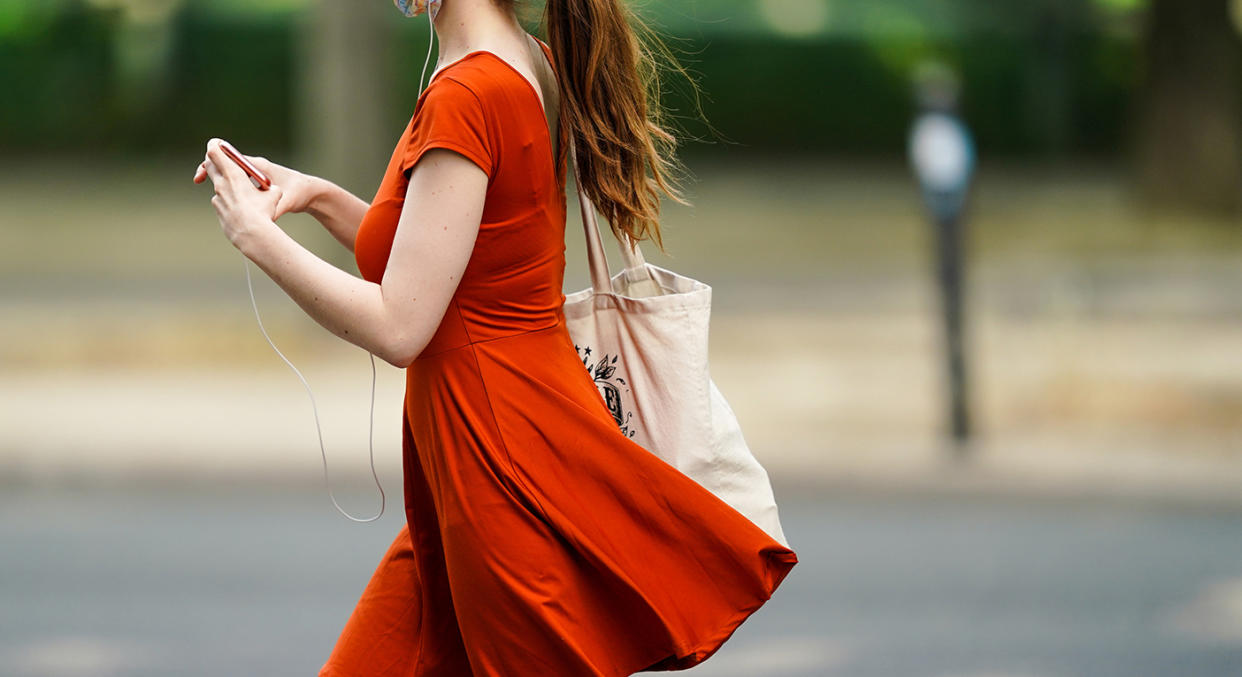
(609, 100)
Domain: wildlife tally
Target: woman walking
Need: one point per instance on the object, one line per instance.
(539, 540)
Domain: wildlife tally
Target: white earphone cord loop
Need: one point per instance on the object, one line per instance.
(323, 453)
(315, 409)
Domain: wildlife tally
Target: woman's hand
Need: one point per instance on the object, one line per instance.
(244, 211)
(298, 190)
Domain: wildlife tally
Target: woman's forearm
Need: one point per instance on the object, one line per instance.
(348, 306)
(339, 210)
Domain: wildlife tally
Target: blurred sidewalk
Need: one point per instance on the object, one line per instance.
(1103, 343)
(843, 401)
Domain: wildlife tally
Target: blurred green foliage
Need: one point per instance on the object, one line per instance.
(780, 75)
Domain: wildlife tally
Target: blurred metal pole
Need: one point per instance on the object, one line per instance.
(345, 93)
(942, 154)
(949, 239)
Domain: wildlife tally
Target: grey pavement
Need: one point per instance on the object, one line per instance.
(193, 582)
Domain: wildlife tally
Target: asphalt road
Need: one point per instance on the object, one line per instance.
(137, 582)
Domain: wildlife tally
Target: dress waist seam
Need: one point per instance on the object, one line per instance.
(472, 342)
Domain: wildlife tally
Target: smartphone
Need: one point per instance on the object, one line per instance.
(259, 177)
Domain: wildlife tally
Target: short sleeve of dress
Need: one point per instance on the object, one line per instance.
(449, 116)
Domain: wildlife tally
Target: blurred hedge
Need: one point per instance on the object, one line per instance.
(831, 94)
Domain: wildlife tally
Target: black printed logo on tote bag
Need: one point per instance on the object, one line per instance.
(612, 386)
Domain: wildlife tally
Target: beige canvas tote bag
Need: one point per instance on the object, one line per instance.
(642, 336)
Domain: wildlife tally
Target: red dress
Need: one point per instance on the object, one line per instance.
(539, 540)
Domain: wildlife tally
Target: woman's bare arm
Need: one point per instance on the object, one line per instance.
(396, 319)
(339, 210)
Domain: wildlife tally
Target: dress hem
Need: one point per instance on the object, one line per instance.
(717, 638)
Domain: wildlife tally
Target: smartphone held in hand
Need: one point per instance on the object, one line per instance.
(260, 179)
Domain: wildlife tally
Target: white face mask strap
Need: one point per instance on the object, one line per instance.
(315, 409)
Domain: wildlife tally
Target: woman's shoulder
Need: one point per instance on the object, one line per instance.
(483, 74)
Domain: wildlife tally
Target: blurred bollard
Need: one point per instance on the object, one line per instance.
(943, 156)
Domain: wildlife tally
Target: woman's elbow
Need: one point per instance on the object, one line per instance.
(400, 358)
(399, 362)
(402, 353)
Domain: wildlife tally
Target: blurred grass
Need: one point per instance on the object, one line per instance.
(94, 222)
(108, 263)
(107, 223)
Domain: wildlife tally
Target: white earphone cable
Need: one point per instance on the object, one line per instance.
(315, 409)
(431, 41)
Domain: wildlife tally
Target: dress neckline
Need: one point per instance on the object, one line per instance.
(539, 102)
(508, 65)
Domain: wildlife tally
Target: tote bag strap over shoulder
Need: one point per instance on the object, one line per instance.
(637, 278)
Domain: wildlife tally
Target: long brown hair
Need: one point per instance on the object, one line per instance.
(610, 103)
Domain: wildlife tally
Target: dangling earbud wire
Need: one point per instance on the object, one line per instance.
(371, 431)
(431, 41)
(323, 453)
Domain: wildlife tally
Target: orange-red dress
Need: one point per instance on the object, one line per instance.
(539, 540)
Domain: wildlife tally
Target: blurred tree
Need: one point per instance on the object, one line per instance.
(1055, 30)
(344, 92)
(1188, 150)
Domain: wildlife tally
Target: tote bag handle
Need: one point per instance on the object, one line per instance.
(637, 278)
